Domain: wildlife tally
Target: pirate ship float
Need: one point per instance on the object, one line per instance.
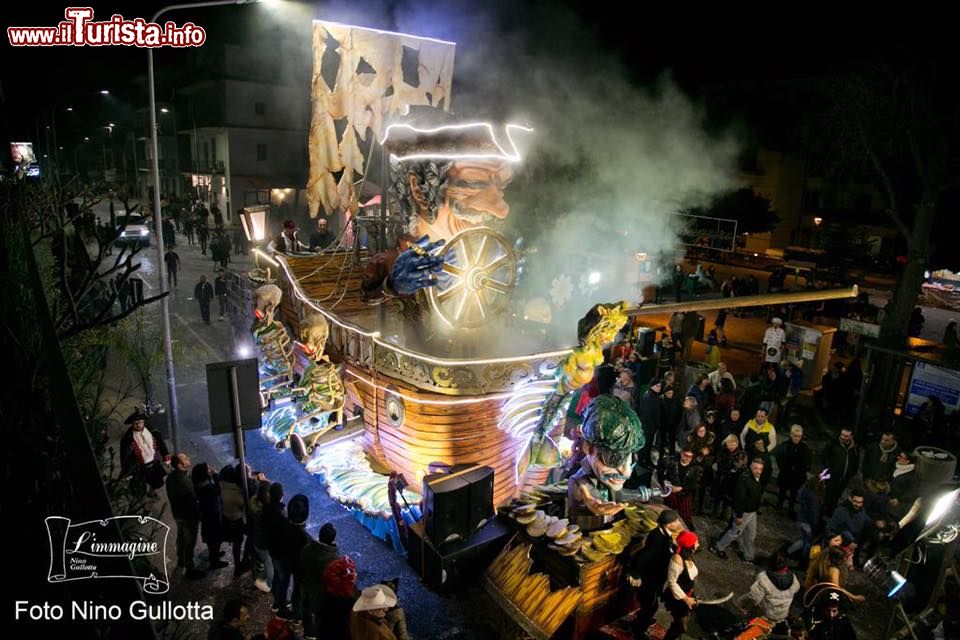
(444, 371)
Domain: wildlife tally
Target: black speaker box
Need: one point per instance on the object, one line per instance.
(480, 495)
(457, 503)
(459, 562)
(445, 506)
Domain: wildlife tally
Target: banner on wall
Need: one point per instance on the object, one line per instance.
(929, 380)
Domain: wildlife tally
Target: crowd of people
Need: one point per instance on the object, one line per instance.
(721, 442)
(312, 586)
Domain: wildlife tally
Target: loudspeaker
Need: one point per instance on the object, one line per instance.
(459, 562)
(445, 507)
(480, 495)
(458, 502)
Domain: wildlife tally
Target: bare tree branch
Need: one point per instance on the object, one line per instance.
(77, 329)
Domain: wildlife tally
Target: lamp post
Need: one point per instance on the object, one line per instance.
(173, 414)
(254, 223)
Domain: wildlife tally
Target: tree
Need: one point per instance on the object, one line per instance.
(73, 254)
(751, 210)
(898, 125)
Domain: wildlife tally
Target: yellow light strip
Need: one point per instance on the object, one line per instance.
(282, 263)
(266, 257)
(479, 361)
(512, 156)
(463, 401)
(295, 285)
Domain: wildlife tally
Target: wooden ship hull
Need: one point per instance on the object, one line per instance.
(418, 411)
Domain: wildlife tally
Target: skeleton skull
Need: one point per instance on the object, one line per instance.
(266, 301)
(313, 334)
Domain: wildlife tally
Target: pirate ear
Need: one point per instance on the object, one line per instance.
(416, 195)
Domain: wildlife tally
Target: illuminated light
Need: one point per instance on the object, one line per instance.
(164, 110)
(756, 255)
(266, 257)
(511, 156)
(86, 139)
(594, 277)
(818, 221)
(899, 582)
(942, 506)
(443, 403)
(69, 108)
(640, 256)
(244, 351)
(453, 363)
(376, 335)
(566, 447)
(389, 33)
(110, 124)
(288, 190)
(104, 92)
(926, 275)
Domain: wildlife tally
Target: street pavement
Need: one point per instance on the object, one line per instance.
(468, 614)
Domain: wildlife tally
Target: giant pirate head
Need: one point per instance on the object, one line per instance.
(450, 178)
(611, 434)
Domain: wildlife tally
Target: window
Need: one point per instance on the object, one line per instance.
(259, 108)
(261, 153)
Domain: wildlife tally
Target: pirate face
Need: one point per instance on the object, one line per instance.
(473, 198)
(611, 468)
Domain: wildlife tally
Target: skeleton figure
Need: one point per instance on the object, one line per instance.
(320, 389)
(275, 351)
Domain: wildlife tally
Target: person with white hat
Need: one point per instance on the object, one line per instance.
(773, 341)
(368, 621)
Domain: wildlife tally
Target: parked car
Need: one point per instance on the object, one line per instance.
(134, 229)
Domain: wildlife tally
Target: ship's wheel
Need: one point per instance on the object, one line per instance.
(479, 273)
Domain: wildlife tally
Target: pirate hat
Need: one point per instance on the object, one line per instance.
(136, 415)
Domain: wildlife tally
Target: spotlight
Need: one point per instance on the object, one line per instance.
(889, 581)
(244, 351)
(941, 506)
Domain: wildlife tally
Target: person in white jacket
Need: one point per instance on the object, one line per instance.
(773, 340)
(772, 591)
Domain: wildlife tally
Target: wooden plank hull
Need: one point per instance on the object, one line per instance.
(432, 433)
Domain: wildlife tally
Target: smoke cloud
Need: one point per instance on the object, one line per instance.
(609, 162)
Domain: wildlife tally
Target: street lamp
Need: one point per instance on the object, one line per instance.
(254, 223)
(173, 414)
(104, 92)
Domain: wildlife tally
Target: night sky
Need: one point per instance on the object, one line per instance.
(700, 50)
(735, 65)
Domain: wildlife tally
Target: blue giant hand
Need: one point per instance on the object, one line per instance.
(416, 267)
